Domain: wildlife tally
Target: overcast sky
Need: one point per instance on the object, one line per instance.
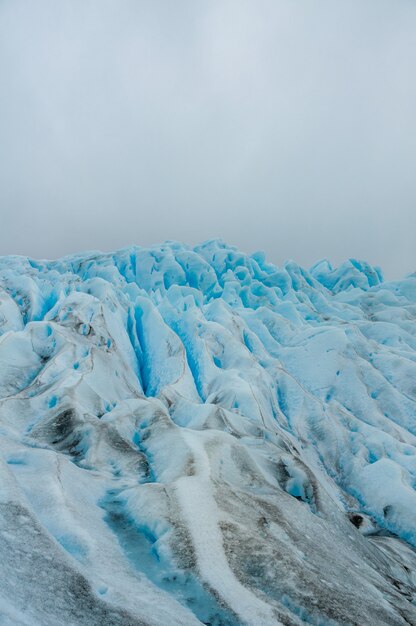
(282, 125)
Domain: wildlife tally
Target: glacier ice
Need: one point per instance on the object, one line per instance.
(194, 435)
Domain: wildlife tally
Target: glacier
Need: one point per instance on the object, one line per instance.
(196, 436)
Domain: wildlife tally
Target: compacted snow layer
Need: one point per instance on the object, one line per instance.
(196, 436)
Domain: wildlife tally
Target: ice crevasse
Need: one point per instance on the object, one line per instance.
(196, 436)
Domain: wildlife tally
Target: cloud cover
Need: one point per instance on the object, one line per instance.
(285, 125)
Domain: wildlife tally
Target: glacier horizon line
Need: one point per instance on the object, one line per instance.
(259, 255)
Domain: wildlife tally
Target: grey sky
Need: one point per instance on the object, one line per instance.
(282, 125)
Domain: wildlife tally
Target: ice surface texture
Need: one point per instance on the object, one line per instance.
(196, 436)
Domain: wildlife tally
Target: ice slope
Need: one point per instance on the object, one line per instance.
(196, 436)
